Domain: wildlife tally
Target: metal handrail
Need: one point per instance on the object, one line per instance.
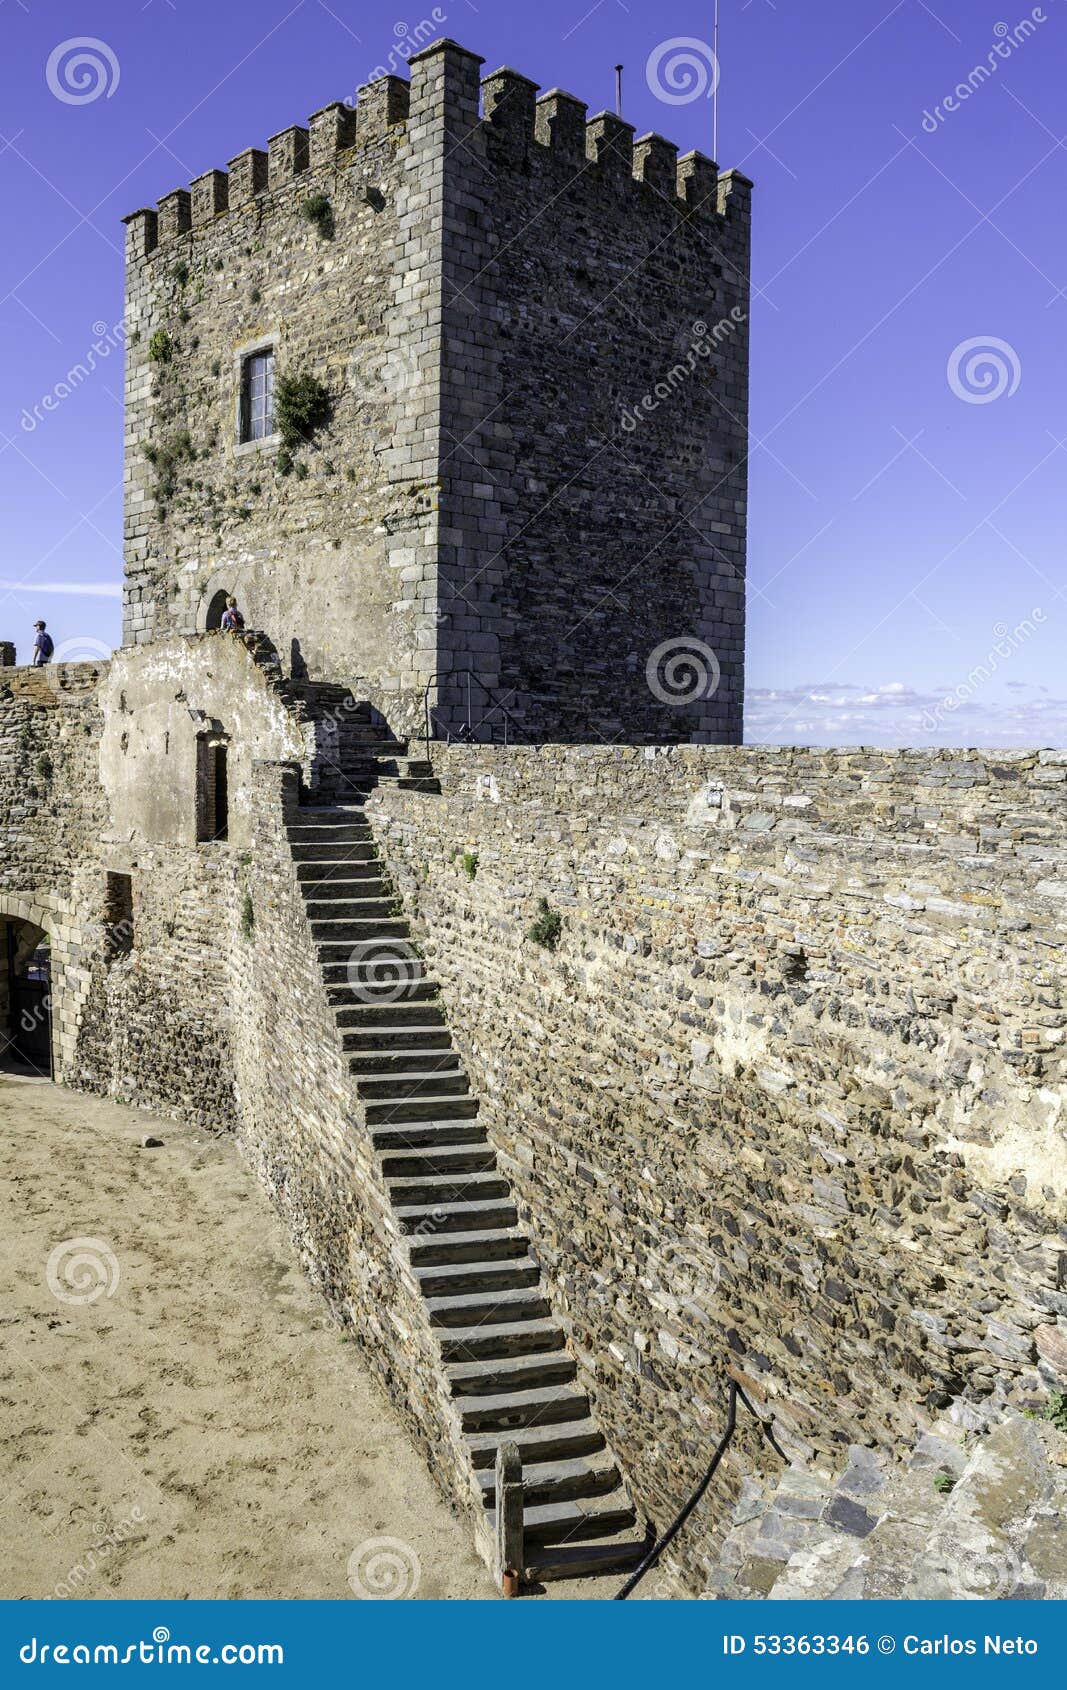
(662, 1543)
(469, 676)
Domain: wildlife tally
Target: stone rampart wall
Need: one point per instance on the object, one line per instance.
(789, 1092)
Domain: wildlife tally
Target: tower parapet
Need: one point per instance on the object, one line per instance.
(469, 491)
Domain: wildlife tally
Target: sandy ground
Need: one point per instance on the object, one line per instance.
(199, 1428)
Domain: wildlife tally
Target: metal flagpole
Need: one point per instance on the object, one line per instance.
(715, 96)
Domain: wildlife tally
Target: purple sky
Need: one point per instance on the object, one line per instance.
(908, 503)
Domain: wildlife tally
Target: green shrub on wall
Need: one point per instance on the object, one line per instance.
(547, 926)
(301, 405)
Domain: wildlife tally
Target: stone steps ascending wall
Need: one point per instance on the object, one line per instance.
(974, 1513)
(504, 1370)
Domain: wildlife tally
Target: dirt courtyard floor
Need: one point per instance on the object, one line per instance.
(178, 1417)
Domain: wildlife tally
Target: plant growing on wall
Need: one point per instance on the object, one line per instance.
(301, 405)
(248, 915)
(469, 860)
(166, 459)
(547, 926)
(160, 347)
(319, 212)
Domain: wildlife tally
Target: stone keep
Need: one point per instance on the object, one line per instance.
(532, 329)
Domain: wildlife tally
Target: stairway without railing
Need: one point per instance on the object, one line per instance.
(504, 1371)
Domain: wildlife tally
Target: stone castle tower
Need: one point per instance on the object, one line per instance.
(519, 341)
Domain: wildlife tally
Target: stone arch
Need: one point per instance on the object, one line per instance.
(70, 967)
(216, 607)
(213, 597)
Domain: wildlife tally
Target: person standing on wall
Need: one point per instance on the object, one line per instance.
(43, 646)
(232, 620)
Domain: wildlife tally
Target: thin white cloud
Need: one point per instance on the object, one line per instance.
(76, 589)
(899, 715)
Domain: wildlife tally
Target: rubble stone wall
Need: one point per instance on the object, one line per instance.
(788, 1094)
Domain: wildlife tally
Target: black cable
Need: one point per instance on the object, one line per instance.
(669, 1536)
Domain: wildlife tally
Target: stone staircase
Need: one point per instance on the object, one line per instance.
(505, 1373)
(354, 752)
(977, 1512)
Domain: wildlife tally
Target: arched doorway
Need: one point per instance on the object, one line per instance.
(25, 997)
(216, 607)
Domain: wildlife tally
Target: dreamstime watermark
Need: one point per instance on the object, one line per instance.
(376, 377)
(65, 672)
(383, 970)
(1007, 641)
(82, 1270)
(683, 671)
(701, 347)
(984, 368)
(682, 70)
(106, 1540)
(685, 1273)
(157, 1651)
(384, 1569)
(1008, 41)
(408, 39)
(82, 70)
(107, 340)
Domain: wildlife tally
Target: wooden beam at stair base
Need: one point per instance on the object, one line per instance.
(509, 1517)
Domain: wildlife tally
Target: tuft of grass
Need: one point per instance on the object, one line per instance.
(248, 915)
(547, 926)
(1056, 1410)
(166, 459)
(943, 1483)
(161, 347)
(469, 862)
(319, 212)
(181, 273)
(45, 766)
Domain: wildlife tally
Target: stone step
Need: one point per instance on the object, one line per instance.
(419, 1135)
(333, 935)
(617, 1554)
(416, 784)
(455, 1217)
(367, 744)
(401, 1164)
(449, 1188)
(400, 1110)
(354, 879)
(511, 1409)
(342, 904)
(574, 1519)
(371, 1062)
(521, 1274)
(549, 1441)
(410, 1082)
(506, 1374)
(369, 982)
(495, 1340)
(494, 1244)
(385, 1048)
(332, 851)
(546, 1482)
(330, 830)
(472, 1308)
(361, 1014)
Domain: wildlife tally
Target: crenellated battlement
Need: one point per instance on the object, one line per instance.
(457, 268)
(520, 120)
